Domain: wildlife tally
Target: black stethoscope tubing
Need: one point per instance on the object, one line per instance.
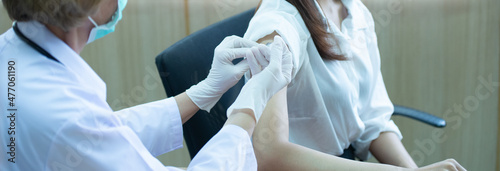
(33, 44)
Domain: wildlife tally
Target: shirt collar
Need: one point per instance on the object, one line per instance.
(355, 14)
(358, 17)
(44, 38)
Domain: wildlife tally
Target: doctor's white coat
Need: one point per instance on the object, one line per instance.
(61, 120)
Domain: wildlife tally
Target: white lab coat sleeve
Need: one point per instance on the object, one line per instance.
(158, 124)
(98, 141)
(376, 116)
(229, 150)
(268, 20)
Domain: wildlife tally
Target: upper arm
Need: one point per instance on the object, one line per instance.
(268, 38)
(266, 25)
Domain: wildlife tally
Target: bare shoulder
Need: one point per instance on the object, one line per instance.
(268, 39)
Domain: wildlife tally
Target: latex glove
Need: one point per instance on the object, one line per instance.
(259, 60)
(262, 86)
(223, 74)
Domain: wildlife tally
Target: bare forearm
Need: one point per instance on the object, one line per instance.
(388, 149)
(242, 118)
(275, 152)
(186, 106)
(295, 157)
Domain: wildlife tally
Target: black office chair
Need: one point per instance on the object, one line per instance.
(188, 62)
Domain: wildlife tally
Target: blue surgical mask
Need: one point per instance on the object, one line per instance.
(103, 30)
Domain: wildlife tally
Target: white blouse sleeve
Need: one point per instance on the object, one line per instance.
(158, 124)
(378, 108)
(279, 16)
(229, 149)
(376, 117)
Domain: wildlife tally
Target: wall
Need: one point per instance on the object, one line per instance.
(434, 54)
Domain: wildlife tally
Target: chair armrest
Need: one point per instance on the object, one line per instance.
(420, 116)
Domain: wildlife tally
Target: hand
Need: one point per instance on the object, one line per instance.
(259, 89)
(446, 165)
(258, 59)
(223, 74)
(276, 59)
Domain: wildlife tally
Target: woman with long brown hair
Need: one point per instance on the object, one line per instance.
(336, 100)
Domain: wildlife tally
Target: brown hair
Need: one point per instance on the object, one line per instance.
(314, 23)
(64, 14)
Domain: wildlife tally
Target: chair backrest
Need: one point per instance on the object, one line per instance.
(188, 62)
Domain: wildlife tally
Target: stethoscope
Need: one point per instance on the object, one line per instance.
(33, 44)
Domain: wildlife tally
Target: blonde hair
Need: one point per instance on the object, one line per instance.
(64, 14)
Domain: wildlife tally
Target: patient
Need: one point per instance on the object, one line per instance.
(337, 98)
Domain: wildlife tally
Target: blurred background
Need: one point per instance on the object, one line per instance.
(439, 56)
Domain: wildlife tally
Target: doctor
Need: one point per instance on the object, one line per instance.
(54, 114)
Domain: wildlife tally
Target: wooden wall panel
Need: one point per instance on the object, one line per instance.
(5, 22)
(435, 55)
(203, 13)
(498, 107)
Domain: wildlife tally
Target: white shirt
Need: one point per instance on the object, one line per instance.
(332, 104)
(63, 121)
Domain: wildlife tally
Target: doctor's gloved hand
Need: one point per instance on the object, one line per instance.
(258, 59)
(264, 84)
(223, 74)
